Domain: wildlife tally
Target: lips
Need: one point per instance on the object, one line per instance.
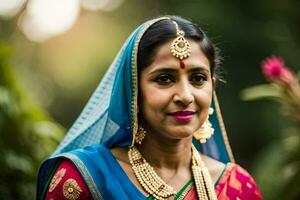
(183, 116)
(182, 113)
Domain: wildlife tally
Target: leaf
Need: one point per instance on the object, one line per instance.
(265, 91)
(18, 162)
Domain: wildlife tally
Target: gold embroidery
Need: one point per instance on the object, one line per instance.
(71, 189)
(56, 179)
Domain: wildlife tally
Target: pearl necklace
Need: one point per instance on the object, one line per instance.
(156, 187)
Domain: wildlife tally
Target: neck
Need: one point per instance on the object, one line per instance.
(166, 152)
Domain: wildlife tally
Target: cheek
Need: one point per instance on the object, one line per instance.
(154, 100)
(204, 104)
(203, 99)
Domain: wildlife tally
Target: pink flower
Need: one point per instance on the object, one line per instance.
(275, 70)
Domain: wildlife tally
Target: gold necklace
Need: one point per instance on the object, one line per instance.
(156, 187)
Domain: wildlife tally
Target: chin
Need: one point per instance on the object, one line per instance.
(182, 132)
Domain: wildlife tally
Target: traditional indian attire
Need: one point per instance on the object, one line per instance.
(82, 167)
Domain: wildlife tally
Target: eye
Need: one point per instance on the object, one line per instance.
(198, 79)
(164, 79)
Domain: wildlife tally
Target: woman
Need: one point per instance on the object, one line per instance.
(140, 134)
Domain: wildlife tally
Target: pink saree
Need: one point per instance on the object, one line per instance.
(234, 184)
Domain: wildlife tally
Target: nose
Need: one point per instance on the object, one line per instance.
(183, 94)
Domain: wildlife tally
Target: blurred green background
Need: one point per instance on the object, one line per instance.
(53, 54)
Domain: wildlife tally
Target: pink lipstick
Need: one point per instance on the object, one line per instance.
(183, 116)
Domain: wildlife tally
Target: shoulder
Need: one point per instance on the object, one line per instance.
(121, 154)
(89, 156)
(91, 150)
(239, 181)
(242, 175)
(67, 183)
(214, 167)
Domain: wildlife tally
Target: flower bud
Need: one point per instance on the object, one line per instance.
(275, 70)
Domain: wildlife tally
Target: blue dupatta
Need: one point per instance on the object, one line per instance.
(110, 119)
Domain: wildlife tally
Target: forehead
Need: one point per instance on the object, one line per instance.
(164, 58)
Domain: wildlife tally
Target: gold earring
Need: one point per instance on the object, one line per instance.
(140, 135)
(206, 130)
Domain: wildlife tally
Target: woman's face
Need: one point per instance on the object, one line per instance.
(174, 101)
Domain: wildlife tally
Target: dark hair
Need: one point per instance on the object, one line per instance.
(164, 30)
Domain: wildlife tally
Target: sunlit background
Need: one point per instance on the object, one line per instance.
(53, 53)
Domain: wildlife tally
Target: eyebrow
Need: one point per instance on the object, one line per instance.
(175, 70)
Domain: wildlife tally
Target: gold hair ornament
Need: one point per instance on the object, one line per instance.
(180, 47)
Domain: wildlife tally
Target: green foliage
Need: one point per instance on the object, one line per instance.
(268, 171)
(28, 135)
(265, 91)
(278, 167)
(291, 166)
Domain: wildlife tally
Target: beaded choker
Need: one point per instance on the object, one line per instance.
(156, 187)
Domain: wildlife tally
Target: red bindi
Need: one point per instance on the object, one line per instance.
(182, 65)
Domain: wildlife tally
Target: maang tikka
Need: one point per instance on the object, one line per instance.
(206, 130)
(180, 47)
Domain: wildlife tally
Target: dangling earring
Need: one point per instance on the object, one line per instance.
(206, 130)
(140, 135)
